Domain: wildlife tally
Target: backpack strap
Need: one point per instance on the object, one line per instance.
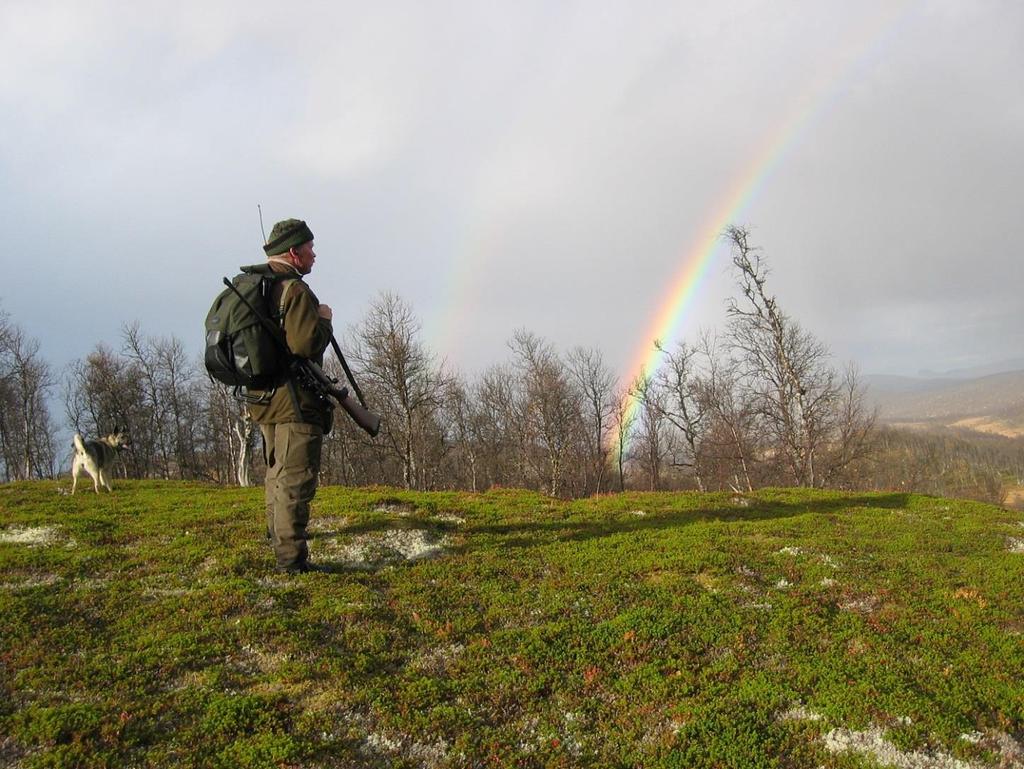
(286, 283)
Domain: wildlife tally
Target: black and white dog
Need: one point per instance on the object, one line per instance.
(97, 458)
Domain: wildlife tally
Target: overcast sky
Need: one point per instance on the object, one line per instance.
(538, 165)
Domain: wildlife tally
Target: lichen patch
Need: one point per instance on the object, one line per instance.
(372, 551)
(31, 536)
(872, 743)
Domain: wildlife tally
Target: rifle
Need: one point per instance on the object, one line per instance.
(313, 378)
(316, 380)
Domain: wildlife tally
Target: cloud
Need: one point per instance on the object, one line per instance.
(535, 165)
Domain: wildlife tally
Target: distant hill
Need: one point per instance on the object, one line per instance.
(976, 372)
(993, 403)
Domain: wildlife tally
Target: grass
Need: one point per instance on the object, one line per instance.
(146, 628)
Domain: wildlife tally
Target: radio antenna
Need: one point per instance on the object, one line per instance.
(262, 230)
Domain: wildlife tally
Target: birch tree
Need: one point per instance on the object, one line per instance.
(26, 435)
(404, 378)
(731, 444)
(623, 421)
(650, 444)
(498, 430)
(105, 392)
(798, 394)
(673, 394)
(595, 383)
(547, 406)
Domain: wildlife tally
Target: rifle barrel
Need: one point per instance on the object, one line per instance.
(348, 371)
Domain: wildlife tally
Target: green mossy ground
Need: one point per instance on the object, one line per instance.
(646, 630)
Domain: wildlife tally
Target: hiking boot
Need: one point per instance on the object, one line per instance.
(318, 567)
(303, 568)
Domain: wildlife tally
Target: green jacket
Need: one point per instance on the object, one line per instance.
(308, 335)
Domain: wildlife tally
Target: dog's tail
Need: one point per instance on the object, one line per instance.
(79, 446)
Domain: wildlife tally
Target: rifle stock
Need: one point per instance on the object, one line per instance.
(362, 416)
(365, 418)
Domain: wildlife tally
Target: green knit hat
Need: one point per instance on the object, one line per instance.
(287, 234)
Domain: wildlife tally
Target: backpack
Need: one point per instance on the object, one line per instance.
(240, 350)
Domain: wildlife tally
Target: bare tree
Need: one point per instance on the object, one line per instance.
(172, 404)
(227, 437)
(404, 378)
(651, 444)
(104, 393)
(623, 420)
(547, 407)
(141, 353)
(762, 407)
(497, 428)
(944, 462)
(786, 369)
(732, 431)
(853, 429)
(674, 394)
(182, 403)
(596, 384)
(26, 442)
(461, 418)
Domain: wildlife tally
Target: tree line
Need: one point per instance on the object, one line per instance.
(759, 403)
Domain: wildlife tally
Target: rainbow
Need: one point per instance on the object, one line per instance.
(823, 91)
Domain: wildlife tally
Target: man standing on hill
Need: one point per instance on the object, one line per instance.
(293, 420)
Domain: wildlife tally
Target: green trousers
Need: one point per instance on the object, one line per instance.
(292, 454)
